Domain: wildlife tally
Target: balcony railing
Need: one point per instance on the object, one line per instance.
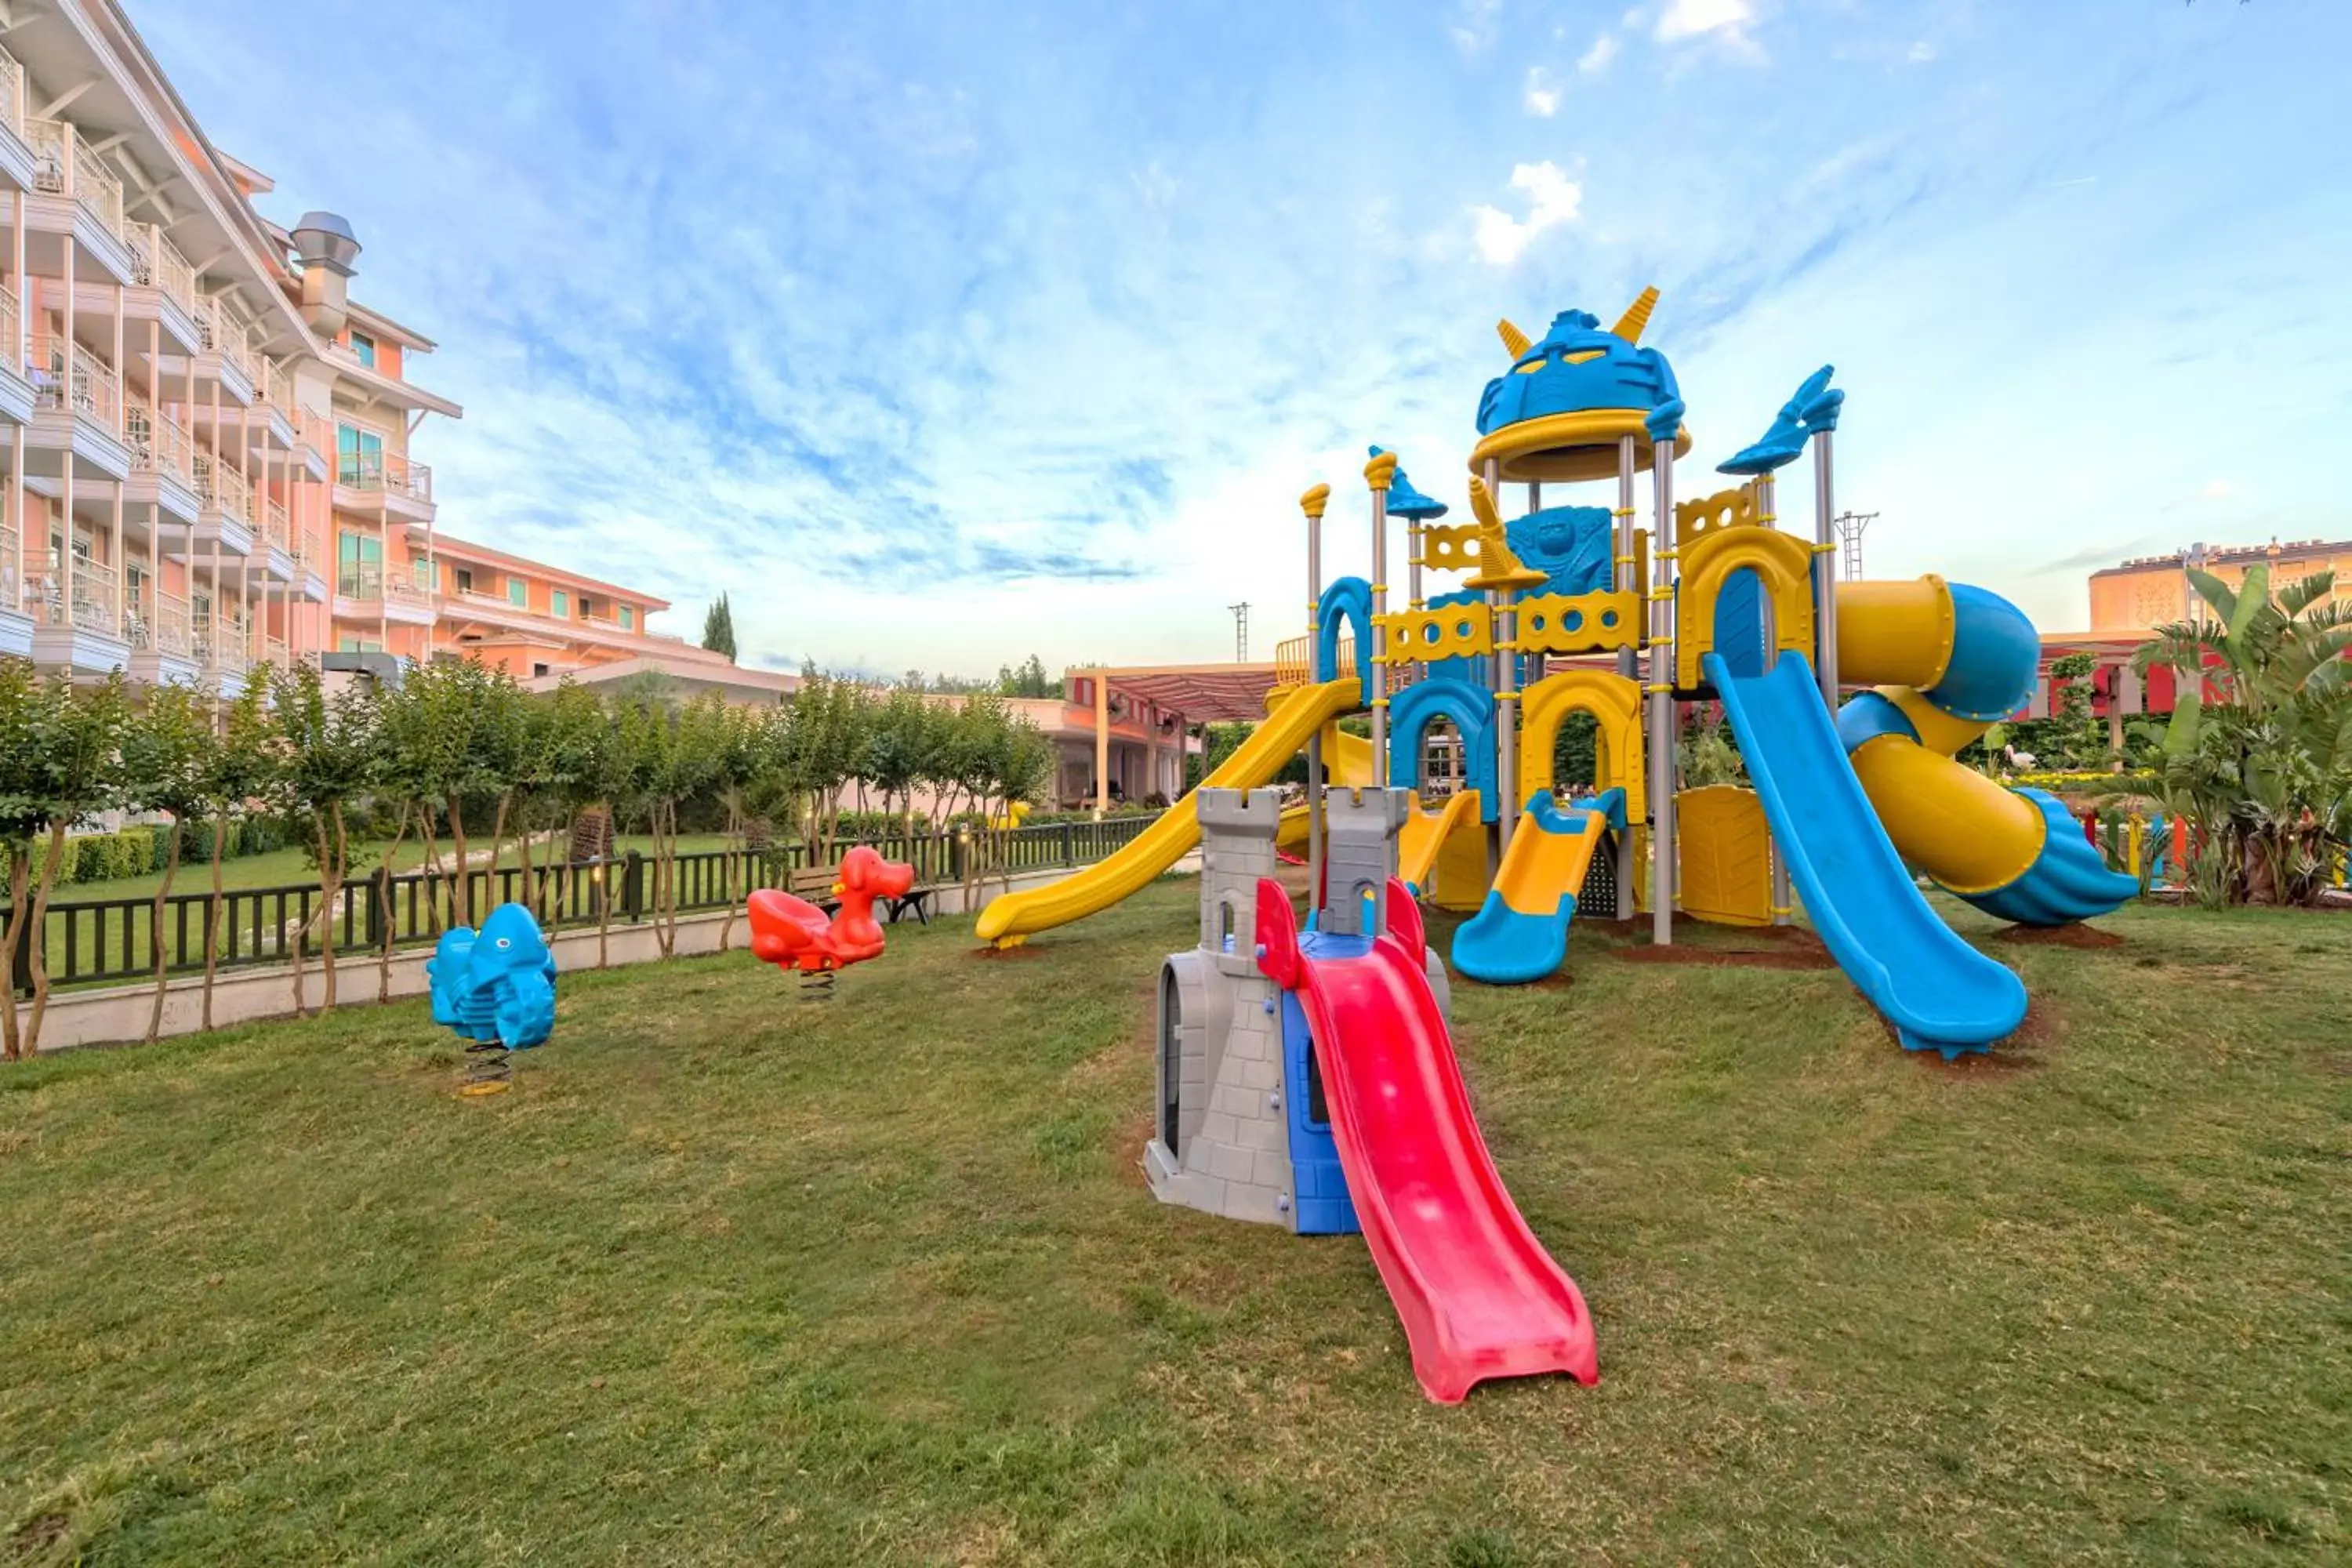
(388, 472)
(219, 330)
(274, 525)
(159, 443)
(96, 390)
(222, 645)
(161, 625)
(93, 597)
(12, 92)
(8, 312)
(12, 570)
(221, 488)
(66, 164)
(157, 262)
(371, 581)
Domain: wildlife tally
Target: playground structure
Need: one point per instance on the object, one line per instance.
(793, 934)
(496, 987)
(1574, 609)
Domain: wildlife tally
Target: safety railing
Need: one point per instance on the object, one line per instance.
(12, 92)
(159, 443)
(89, 387)
(93, 942)
(388, 472)
(157, 262)
(220, 488)
(65, 163)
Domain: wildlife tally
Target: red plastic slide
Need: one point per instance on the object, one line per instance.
(1478, 1296)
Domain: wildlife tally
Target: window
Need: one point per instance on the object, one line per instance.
(359, 457)
(628, 617)
(464, 579)
(364, 346)
(358, 645)
(587, 608)
(518, 592)
(536, 670)
(359, 565)
(559, 604)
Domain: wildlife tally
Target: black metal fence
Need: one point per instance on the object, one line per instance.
(113, 940)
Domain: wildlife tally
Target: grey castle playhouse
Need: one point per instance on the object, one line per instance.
(1242, 1130)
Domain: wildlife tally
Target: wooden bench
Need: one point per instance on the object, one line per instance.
(815, 884)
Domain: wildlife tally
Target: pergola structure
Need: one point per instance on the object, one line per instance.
(1193, 693)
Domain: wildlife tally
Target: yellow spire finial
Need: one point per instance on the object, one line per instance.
(1636, 317)
(1314, 500)
(1380, 472)
(1513, 339)
(1498, 567)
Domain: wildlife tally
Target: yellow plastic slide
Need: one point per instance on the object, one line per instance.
(1347, 764)
(1012, 918)
(1425, 833)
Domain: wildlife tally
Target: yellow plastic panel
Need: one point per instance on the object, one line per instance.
(1457, 631)
(1614, 702)
(1734, 508)
(1450, 547)
(1895, 634)
(1426, 832)
(1459, 881)
(1579, 623)
(1727, 856)
(1781, 562)
(1953, 823)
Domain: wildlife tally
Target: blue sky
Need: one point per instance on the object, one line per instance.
(939, 334)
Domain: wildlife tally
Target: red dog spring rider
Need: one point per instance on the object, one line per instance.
(793, 933)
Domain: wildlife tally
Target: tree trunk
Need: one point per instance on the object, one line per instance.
(664, 826)
(212, 911)
(531, 894)
(498, 837)
(461, 903)
(30, 1044)
(330, 892)
(726, 875)
(20, 892)
(385, 909)
(155, 926)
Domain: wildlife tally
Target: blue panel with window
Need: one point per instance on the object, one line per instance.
(1319, 1187)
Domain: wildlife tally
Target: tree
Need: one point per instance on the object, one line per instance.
(244, 768)
(330, 747)
(461, 731)
(63, 764)
(569, 762)
(167, 755)
(825, 746)
(902, 750)
(2260, 764)
(719, 628)
(1029, 680)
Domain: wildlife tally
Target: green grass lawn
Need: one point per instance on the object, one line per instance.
(734, 1280)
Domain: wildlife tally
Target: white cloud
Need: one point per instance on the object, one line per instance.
(2217, 489)
(1473, 25)
(1922, 52)
(1596, 60)
(1552, 199)
(1542, 99)
(1727, 19)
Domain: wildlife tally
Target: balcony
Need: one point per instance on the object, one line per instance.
(224, 345)
(15, 391)
(76, 409)
(364, 592)
(156, 263)
(163, 465)
(225, 508)
(78, 627)
(401, 487)
(66, 164)
(161, 625)
(15, 158)
(16, 622)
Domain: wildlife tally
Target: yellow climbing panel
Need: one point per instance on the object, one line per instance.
(1727, 856)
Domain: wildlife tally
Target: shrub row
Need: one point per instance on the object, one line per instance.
(140, 851)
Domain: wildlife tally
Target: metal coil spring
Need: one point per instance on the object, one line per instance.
(816, 984)
(489, 1069)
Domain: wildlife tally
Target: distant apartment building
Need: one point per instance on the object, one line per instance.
(2153, 590)
(206, 440)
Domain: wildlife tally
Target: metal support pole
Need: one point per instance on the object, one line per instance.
(1662, 848)
(1376, 474)
(1825, 575)
(1766, 516)
(1628, 662)
(1312, 504)
(1506, 808)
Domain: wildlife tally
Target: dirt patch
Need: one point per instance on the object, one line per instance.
(2075, 936)
(38, 1534)
(1024, 951)
(1132, 1137)
(1796, 949)
(2015, 1052)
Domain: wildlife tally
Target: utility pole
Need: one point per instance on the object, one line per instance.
(1241, 631)
(1850, 526)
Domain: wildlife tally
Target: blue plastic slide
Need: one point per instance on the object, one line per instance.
(1941, 993)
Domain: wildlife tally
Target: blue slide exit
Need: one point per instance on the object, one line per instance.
(1941, 993)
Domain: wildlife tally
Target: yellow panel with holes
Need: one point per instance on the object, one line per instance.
(1735, 508)
(1450, 547)
(1727, 862)
(1457, 631)
(1579, 623)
